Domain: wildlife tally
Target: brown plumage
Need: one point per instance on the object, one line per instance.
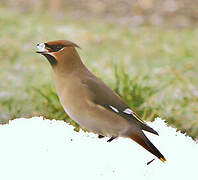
(88, 101)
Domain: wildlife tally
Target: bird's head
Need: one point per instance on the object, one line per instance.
(57, 52)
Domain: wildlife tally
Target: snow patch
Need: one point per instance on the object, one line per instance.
(43, 149)
(41, 47)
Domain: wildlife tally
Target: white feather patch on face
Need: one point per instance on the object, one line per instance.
(114, 109)
(128, 111)
(41, 47)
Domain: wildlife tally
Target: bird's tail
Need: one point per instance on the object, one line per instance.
(141, 139)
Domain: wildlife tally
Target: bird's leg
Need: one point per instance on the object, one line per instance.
(100, 136)
(111, 139)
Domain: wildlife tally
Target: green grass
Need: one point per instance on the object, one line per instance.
(153, 69)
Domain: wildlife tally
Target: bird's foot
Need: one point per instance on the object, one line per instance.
(111, 139)
(100, 136)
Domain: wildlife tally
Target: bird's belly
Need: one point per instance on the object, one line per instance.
(89, 115)
(99, 121)
(83, 118)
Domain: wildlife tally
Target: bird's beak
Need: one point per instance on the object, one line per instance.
(42, 49)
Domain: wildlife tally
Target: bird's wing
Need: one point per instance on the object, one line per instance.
(102, 95)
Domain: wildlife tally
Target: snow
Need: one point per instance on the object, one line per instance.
(37, 149)
(41, 47)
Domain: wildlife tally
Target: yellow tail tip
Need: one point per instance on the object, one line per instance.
(162, 159)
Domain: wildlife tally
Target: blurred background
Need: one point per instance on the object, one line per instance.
(146, 50)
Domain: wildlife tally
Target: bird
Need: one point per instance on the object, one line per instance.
(89, 101)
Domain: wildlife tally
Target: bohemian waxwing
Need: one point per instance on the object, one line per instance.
(88, 101)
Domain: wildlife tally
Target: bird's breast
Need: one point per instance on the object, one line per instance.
(73, 98)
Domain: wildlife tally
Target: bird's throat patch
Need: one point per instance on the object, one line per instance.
(52, 60)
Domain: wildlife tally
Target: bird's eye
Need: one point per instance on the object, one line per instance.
(54, 48)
